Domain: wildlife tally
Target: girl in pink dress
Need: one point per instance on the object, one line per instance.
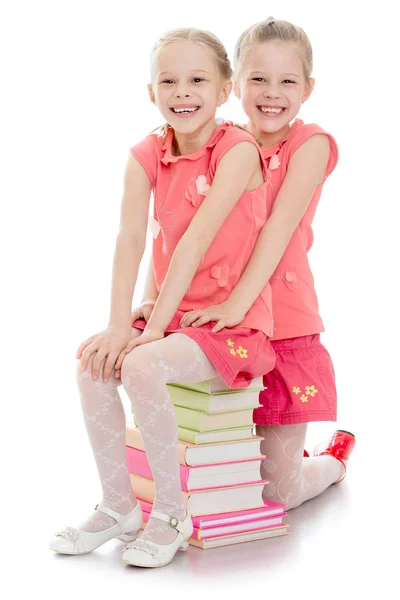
(272, 79)
(209, 184)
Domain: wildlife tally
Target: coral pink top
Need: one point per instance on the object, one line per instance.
(180, 184)
(295, 303)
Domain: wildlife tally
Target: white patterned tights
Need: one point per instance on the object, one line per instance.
(145, 372)
(291, 478)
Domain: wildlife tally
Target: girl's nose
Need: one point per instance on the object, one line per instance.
(272, 91)
(182, 94)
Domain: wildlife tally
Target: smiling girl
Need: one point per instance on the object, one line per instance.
(209, 183)
(273, 79)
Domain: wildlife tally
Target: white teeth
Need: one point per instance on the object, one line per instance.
(182, 110)
(267, 109)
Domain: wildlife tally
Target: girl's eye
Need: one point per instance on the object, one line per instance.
(260, 79)
(197, 79)
(167, 81)
(288, 81)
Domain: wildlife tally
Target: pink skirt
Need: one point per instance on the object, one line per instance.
(301, 388)
(239, 354)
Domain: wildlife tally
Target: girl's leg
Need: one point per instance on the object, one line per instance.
(145, 372)
(105, 423)
(292, 478)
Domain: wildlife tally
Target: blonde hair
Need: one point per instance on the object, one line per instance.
(204, 38)
(273, 30)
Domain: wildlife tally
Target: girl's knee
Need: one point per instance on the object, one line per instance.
(85, 380)
(142, 365)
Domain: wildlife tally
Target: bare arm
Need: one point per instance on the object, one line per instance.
(237, 168)
(129, 250)
(150, 292)
(306, 170)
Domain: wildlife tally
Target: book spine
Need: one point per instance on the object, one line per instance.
(139, 465)
(134, 440)
(189, 419)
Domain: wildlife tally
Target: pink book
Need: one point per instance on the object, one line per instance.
(201, 477)
(237, 527)
(238, 538)
(207, 522)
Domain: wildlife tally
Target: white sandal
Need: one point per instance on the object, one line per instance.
(77, 541)
(143, 553)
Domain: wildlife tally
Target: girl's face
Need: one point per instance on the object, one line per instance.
(272, 85)
(187, 86)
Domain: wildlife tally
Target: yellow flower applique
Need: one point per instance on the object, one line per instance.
(311, 390)
(242, 352)
(304, 398)
(296, 390)
(233, 352)
(229, 342)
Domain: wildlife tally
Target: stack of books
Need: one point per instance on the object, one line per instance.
(220, 461)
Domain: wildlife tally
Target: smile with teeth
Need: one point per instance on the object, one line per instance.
(190, 109)
(276, 110)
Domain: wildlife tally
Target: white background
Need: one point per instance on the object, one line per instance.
(73, 100)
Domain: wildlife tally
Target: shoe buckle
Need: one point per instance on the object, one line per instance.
(173, 522)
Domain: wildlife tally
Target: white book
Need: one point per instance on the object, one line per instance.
(217, 476)
(207, 502)
(192, 454)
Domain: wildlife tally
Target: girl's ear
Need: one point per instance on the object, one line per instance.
(236, 89)
(151, 93)
(309, 89)
(225, 92)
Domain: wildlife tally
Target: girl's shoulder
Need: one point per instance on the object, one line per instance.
(232, 134)
(151, 143)
(148, 153)
(299, 133)
(229, 135)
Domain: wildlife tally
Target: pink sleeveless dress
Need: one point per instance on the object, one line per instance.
(180, 184)
(301, 388)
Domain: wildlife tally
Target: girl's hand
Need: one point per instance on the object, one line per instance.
(148, 335)
(107, 346)
(142, 312)
(225, 315)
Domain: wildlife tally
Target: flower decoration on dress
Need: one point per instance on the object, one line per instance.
(197, 190)
(242, 352)
(221, 274)
(167, 219)
(311, 390)
(154, 227)
(289, 278)
(304, 398)
(274, 162)
(296, 390)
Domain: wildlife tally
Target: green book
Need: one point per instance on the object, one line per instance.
(213, 437)
(211, 403)
(217, 386)
(202, 422)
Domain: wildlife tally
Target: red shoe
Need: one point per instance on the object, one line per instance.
(305, 453)
(340, 446)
